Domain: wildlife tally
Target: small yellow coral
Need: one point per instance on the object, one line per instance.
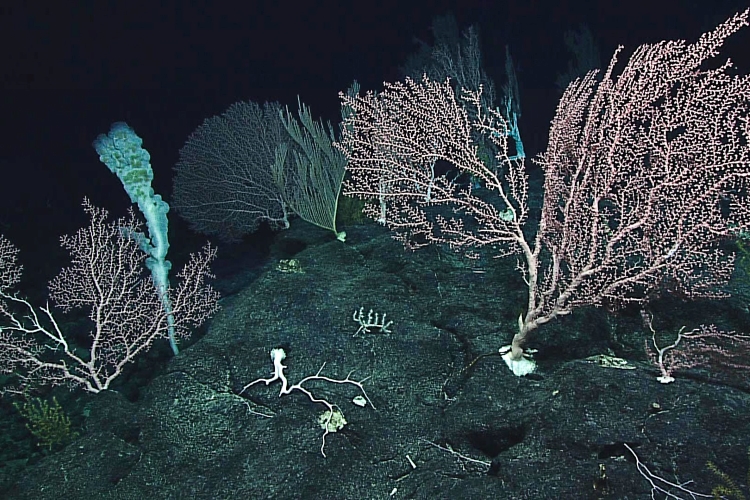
(729, 489)
(48, 423)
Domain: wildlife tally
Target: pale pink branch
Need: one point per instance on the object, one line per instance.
(705, 346)
(108, 278)
(645, 175)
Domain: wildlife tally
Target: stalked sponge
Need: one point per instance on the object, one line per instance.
(121, 150)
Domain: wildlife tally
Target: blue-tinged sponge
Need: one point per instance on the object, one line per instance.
(121, 150)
